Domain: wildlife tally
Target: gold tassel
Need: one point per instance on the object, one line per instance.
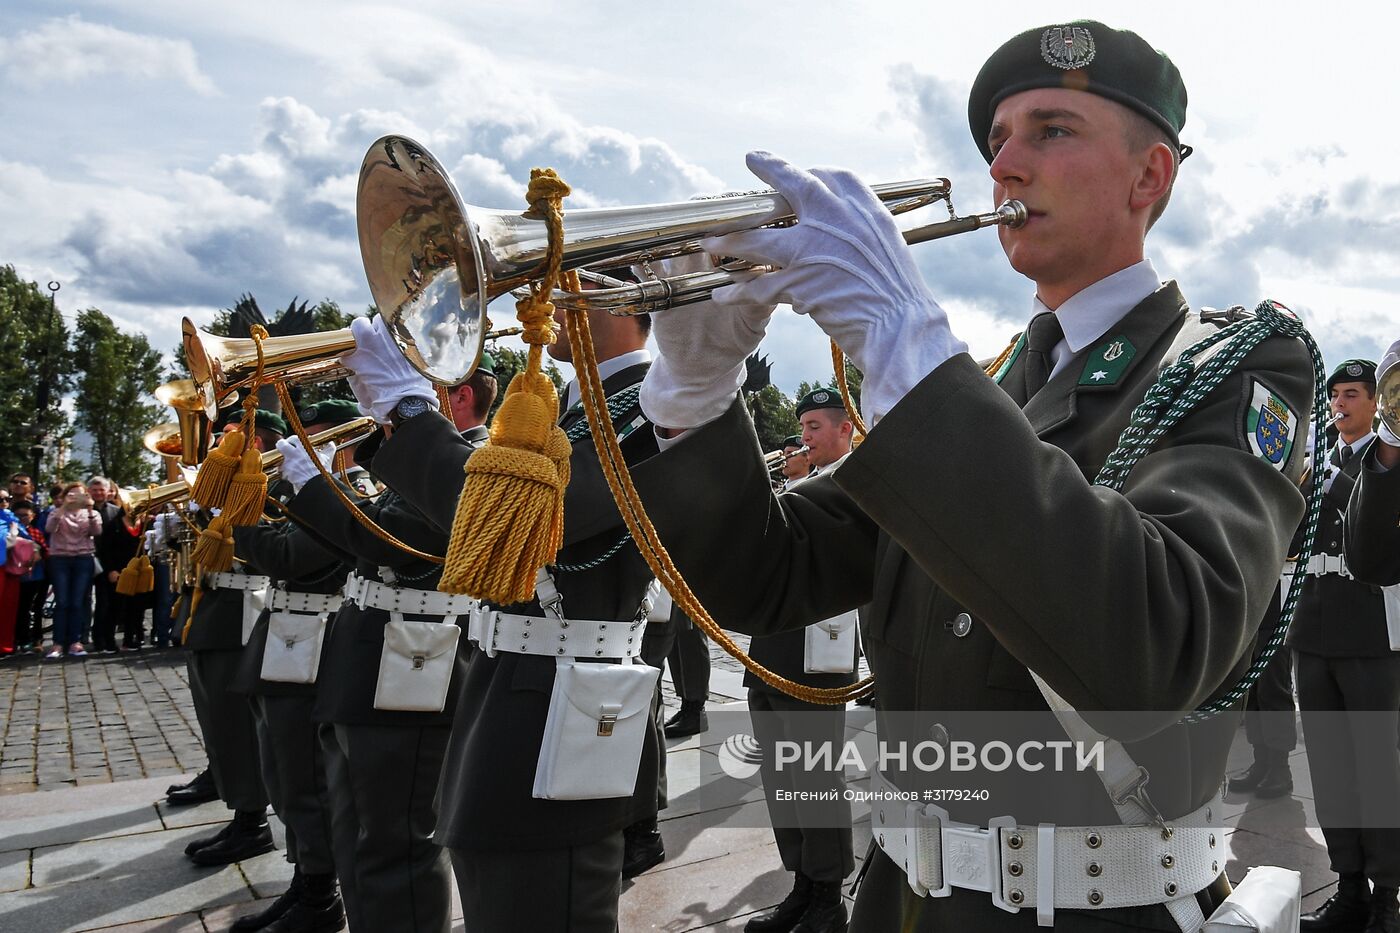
(509, 519)
(510, 516)
(128, 578)
(217, 471)
(146, 579)
(213, 552)
(175, 607)
(247, 490)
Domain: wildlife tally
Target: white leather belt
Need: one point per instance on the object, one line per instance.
(1046, 867)
(1321, 564)
(371, 594)
(496, 631)
(236, 581)
(304, 602)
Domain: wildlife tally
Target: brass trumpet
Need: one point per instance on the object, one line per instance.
(776, 458)
(193, 424)
(434, 262)
(153, 497)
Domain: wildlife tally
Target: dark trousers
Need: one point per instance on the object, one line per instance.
(129, 614)
(164, 601)
(9, 610)
(383, 784)
(689, 659)
(657, 640)
(295, 778)
(1354, 762)
(104, 626)
(72, 591)
(570, 890)
(230, 738)
(1269, 718)
(29, 623)
(813, 837)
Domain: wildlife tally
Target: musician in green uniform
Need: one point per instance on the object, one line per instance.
(968, 519)
(215, 640)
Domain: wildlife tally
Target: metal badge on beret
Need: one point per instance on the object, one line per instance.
(821, 398)
(1067, 47)
(308, 414)
(1355, 369)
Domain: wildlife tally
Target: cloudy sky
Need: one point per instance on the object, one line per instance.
(161, 158)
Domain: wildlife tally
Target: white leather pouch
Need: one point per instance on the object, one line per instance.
(293, 650)
(254, 602)
(1392, 614)
(830, 647)
(415, 667)
(595, 730)
(1268, 900)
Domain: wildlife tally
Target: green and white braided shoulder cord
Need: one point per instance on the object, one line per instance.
(1178, 390)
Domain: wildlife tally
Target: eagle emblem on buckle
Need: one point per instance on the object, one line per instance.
(1067, 47)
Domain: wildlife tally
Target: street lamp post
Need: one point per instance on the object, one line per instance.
(42, 395)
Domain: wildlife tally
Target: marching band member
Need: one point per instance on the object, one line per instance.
(568, 844)
(393, 665)
(967, 518)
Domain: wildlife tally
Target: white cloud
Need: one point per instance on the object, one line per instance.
(70, 50)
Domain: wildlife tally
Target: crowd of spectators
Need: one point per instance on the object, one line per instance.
(62, 555)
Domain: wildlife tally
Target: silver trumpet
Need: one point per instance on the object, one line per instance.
(434, 263)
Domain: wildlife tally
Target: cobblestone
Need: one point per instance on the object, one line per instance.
(102, 719)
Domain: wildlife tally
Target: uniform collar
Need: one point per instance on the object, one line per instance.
(607, 368)
(1087, 315)
(1360, 444)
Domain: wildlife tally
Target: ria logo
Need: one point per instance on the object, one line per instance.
(740, 756)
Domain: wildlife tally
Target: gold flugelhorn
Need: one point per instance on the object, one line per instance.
(434, 262)
(1388, 396)
(152, 497)
(183, 396)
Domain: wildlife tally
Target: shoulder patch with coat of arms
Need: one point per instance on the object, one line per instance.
(1270, 426)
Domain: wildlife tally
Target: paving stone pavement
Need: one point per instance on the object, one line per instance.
(87, 844)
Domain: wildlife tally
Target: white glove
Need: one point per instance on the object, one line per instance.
(702, 352)
(845, 264)
(153, 545)
(297, 467)
(379, 376)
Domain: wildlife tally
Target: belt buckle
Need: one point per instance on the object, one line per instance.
(482, 627)
(994, 828)
(924, 817)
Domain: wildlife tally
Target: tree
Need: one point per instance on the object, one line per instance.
(774, 416)
(117, 372)
(34, 342)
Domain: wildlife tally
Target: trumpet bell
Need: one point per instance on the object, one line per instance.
(183, 396)
(1388, 397)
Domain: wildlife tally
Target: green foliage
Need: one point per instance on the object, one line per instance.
(117, 373)
(508, 363)
(38, 371)
(774, 416)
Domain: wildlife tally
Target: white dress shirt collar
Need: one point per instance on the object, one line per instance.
(606, 369)
(1087, 315)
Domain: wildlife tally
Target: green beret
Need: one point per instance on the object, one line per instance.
(819, 398)
(331, 412)
(1084, 55)
(487, 362)
(1352, 371)
(268, 420)
(792, 440)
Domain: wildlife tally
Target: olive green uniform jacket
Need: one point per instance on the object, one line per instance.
(961, 501)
